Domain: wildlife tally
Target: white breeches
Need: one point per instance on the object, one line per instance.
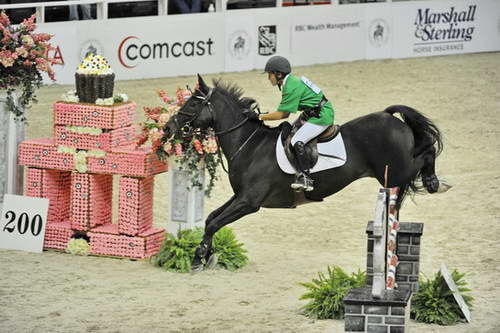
(307, 132)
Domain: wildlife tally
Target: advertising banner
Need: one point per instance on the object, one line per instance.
(328, 35)
(66, 46)
(240, 42)
(379, 30)
(428, 28)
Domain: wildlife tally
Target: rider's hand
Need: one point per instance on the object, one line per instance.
(252, 115)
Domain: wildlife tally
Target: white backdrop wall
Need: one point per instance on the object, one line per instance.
(243, 40)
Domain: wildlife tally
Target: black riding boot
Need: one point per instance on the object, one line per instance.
(303, 182)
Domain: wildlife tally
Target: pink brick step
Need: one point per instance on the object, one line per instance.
(129, 161)
(91, 115)
(57, 235)
(106, 240)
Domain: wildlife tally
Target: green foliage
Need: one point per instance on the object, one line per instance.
(434, 302)
(231, 254)
(176, 254)
(326, 294)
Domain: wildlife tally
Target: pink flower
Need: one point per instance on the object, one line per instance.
(173, 108)
(21, 51)
(155, 134)
(198, 146)
(4, 19)
(162, 119)
(210, 145)
(167, 147)
(27, 41)
(7, 58)
(163, 95)
(29, 24)
(178, 149)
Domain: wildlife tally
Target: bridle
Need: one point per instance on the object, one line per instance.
(187, 129)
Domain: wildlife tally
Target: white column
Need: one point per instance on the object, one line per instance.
(186, 205)
(12, 133)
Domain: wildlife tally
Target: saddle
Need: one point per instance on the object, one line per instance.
(288, 132)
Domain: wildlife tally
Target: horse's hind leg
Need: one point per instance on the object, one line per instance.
(429, 178)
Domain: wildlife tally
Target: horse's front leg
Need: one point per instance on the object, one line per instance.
(234, 210)
(209, 251)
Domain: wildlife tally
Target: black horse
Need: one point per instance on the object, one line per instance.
(372, 142)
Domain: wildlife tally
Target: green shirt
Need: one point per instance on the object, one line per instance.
(300, 92)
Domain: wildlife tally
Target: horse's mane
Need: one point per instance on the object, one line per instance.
(235, 93)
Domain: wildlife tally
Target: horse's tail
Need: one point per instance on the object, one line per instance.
(427, 140)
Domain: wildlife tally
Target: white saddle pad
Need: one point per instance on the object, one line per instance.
(334, 147)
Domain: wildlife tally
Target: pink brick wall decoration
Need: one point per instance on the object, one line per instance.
(91, 198)
(140, 162)
(109, 139)
(53, 185)
(129, 161)
(89, 115)
(105, 240)
(42, 153)
(57, 235)
(135, 205)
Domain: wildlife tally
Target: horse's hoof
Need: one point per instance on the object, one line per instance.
(212, 261)
(444, 186)
(196, 268)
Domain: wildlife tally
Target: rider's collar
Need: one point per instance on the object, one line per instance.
(284, 80)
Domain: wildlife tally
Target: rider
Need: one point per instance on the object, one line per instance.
(299, 94)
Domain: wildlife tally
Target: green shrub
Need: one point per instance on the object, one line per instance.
(231, 254)
(326, 294)
(176, 254)
(434, 302)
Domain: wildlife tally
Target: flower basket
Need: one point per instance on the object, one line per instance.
(23, 59)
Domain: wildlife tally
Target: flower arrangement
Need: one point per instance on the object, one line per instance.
(23, 58)
(198, 150)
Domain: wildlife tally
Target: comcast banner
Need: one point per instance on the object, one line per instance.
(428, 28)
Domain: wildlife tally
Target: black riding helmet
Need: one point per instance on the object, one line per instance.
(278, 64)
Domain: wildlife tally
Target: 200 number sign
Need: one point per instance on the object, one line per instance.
(23, 223)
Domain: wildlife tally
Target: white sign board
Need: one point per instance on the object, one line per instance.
(22, 224)
(453, 287)
(430, 28)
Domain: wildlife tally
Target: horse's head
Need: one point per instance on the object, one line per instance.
(196, 112)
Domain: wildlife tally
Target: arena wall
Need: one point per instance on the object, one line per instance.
(162, 46)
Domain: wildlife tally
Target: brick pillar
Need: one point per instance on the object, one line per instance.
(91, 197)
(408, 252)
(389, 314)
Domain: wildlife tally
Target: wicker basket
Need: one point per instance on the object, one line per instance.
(90, 87)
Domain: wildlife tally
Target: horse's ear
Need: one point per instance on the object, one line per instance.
(202, 85)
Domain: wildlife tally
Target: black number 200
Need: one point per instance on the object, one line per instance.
(23, 223)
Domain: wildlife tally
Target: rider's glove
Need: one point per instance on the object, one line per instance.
(252, 115)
